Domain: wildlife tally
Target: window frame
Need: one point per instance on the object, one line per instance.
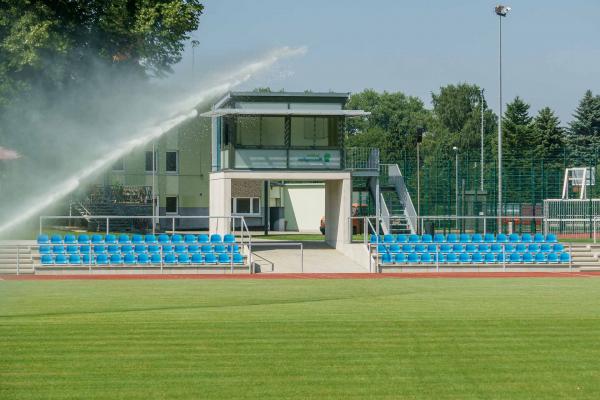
(149, 170)
(176, 162)
(251, 213)
(176, 212)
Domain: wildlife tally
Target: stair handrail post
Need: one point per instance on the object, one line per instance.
(18, 261)
(107, 225)
(570, 257)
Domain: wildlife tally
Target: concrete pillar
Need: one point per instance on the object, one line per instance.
(219, 203)
(338, 209)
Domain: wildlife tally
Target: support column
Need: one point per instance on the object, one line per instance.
(338, 209)
(219, 203)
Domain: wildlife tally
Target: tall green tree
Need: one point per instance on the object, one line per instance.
(517, 131)
(548, 137)
(57, 44)
(584, 131)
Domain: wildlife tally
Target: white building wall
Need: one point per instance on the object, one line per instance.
(304, 206)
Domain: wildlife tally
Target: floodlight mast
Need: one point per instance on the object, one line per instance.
(502, 12)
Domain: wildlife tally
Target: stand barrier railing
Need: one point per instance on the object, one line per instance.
(364, 226)
(276, 244)
(483, 223)
(375, 259)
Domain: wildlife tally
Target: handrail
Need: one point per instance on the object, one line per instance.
(385, 214)
(395, 177)
(283, 244)
(263, 258)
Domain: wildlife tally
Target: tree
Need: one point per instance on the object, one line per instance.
(517, 131)
(57, 44)
(548, 137)
(584, 131)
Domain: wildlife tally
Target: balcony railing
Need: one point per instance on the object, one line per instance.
(361, 158)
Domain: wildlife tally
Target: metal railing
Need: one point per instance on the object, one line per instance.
(374, 258)
(478, 223)
(395, 178)
(276, 244)
(357, 158)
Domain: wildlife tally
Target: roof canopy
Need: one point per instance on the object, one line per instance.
(292, 112)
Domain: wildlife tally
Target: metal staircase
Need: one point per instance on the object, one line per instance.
(397, 221)
(397, 211)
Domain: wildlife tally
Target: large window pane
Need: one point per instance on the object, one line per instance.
(171, 161)
(248, 131)
(171, 206)
(272, 131)
(314, 132)
(243, 206)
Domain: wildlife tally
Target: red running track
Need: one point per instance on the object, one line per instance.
(408, 275)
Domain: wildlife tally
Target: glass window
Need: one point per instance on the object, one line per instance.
(314, 132)
(171, 204)
(248, 131)
(272, 132)
(246, 205)
(171, 161)
(149, 162)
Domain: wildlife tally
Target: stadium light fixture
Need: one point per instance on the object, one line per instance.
(502, 11)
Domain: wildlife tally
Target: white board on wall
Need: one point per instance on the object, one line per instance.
(304, 205)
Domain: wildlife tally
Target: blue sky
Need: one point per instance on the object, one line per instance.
(551, 48)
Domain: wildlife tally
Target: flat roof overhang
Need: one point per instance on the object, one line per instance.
(282, 175)
(285, 112)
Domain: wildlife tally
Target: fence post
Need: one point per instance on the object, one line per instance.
(437, 258)
(41, 222)
(161, 259)
(173, 225)
(18, 261)
(570, 258)
(504, 257)
(107, 225)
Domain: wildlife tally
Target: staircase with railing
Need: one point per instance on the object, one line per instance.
(397, 209)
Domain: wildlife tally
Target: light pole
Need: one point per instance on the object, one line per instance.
(501, 12)
(456, 183)
(153, 187)
(482, 138)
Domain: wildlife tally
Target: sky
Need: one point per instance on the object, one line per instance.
(551, 49)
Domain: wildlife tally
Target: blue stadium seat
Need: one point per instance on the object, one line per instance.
(386, 258)
(84, 249)
(56, 239)
(222, 249)
(97, 239)
(116, 259)
(170, 258)
(381, 248)
(225, 259)
(216, 238)
(408, 248)
(210, 258)
(45, 249)
(553, 258)
(484, 248)
(432, 248)
(551, 238)
(137, 239)
(102, 259)
(445, 248)
(129, 259)
(70, 239)
(58, 249)
(541, 258)
(476, 238)
(489, 238)
(47, 259)
(400, 258)
(545, 247)
(477, 258)
(451, 258)
(155, 258)
(153, 249)
(452, 238)
(514, 238)
(521, 248)
(465, 258)
(564, 257)
(528, 258)
(401, 239)
(203, 238)
(439, 238)
(83, 239)
(388, 238)
(490, 258)
(373, 238)
(229, 238)
(458, 248)
(426, 238)
(206, 248)
(113, 249)
(43, 239)
(140, 248)
(465, 238)
(194, 248)
(414, 238)
(516, 258)
(190, 238)
(72, 249)
(197, 258)
(470, 248)
(143, 258)
(167, 248)
(110, 239)
(426, 258)
(124, 239)
(538, 238)
(150, 239)
(183, 258)
(413, 258)
(61, 259)
(558, 247)
(163, 238)
(238, 258)
(86, 259)
(180, 249)
(420, 248)
(501, 238)
(127, 248)
(500, 258)
(395, 248)
(526, 238)
(176, 239)
(99, 249)
(509, 248)
(534, 247)
(496, 248)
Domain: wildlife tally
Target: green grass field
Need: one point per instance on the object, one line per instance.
(301, 339)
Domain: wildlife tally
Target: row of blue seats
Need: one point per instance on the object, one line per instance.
(136, 239)
(143, 258)
(476, 258)
(471, 248)
(138, 248)
(465, 238)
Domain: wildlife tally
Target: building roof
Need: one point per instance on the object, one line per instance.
(278, 111)
(334, 95)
